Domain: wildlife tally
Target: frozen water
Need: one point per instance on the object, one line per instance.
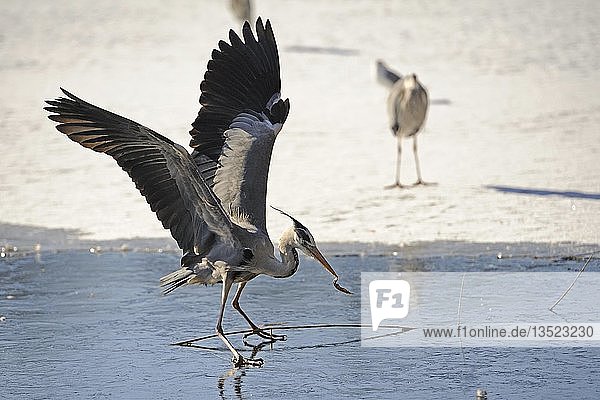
(82, 325)
(511, 139)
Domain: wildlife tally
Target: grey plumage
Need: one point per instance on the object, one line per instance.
(213, 200)
(385, 75)
(244, 167)
(407, 106)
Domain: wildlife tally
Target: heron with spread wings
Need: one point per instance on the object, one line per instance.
(213, 200)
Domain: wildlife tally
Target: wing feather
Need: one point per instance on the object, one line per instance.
(242, 176)
(164, 172)
(385, 75)
(242, 84)
(241, 76)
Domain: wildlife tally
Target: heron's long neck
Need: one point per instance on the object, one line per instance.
(289, 255)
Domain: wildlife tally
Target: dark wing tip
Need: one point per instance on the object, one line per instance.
(70, 95)
(56, 117)
(234, 39)
(141, 152)
(62, 101)
(55, 102)
(279, 111)
(243, 74)
(246, 28)
(259, 24)
(248, 34)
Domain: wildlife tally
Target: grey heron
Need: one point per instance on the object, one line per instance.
(213, 200)
(407, 105)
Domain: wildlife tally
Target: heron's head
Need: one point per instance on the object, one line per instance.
(303, 240)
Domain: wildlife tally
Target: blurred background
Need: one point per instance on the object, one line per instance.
(511, 136)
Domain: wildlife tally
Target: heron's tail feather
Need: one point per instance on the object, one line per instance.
(198, 274)
(172, 281)
(386, 76)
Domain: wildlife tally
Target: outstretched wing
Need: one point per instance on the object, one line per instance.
(385, 75)
(241, 180)
(241, 114)
(162, 170)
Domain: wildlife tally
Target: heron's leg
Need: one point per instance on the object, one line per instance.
(398, 162)
(419, 178)
(237, 360)
(255, 329)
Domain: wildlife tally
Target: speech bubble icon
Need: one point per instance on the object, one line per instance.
(389, 299)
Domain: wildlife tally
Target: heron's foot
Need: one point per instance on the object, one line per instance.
(395, 185)
(270, 336)
(422, 182)
(239, 362)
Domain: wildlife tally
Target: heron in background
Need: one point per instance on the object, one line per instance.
(242, 9)
(407, 108)
(212, 200)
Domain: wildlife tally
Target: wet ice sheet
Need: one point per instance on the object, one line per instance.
(496, 308)
(80, 325)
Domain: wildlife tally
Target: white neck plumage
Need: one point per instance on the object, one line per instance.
(289, 255)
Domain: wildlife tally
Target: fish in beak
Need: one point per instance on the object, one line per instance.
(307, 244)
(314, 251)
